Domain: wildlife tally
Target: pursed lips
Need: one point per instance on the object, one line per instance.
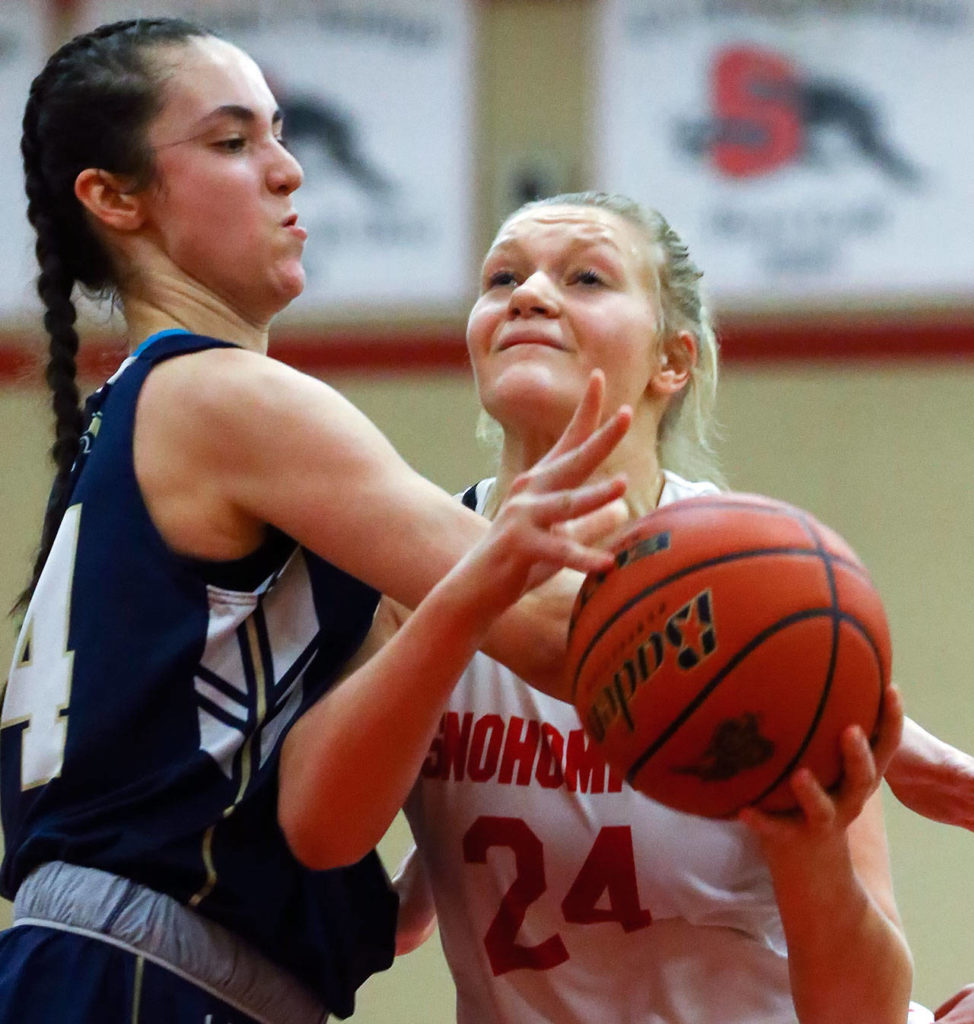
(290, 223)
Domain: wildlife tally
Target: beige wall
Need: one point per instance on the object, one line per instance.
(883, 454)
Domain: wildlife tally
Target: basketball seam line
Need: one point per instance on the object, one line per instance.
(833, 612)
(716, 680)
(816, 552)
(829, 676)
(640, 763)
(837, 617)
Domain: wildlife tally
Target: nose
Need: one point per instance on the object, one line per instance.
(284, 174)
(534, 296)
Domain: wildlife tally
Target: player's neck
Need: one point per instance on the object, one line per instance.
(197, 313)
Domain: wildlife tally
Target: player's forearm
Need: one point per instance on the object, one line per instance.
(933, 778)
(348, 764)
(847, 960)
(959, 1009)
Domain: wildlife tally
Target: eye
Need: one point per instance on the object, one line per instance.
(588, 276)
(500, 279)
(236, 144)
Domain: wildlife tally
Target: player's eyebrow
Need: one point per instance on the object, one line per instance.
(240, 113)
(511, 245)
(235, 111)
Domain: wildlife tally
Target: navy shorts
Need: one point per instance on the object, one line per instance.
(48, 975)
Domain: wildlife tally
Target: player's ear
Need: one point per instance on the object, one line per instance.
(678, 357)
(110, 199)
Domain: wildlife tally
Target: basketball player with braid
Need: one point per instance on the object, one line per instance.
(217, 535)
(561, 894)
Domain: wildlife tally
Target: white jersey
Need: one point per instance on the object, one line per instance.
(565, 896)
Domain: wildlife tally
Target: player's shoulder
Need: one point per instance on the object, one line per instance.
(223, 385)
(222, 370)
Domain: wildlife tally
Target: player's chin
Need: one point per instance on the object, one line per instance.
(528, 387)
(291, 281)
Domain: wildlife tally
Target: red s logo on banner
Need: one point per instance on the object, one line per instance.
(754, 100)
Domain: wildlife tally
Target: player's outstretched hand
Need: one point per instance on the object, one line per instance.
(553, 517)
(581, 449)
(822, 815)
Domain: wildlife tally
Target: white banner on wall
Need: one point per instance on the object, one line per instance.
(23, 31)
(377, 102)
(807, 151)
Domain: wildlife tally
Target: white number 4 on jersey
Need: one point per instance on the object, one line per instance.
(39, 687)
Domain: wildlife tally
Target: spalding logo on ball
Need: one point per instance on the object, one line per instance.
(733, 641)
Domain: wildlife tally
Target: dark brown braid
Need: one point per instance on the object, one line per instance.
(89, 107)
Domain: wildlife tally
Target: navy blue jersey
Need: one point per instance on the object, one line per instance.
(146, 704)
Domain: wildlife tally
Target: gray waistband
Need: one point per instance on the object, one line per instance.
(116, 910)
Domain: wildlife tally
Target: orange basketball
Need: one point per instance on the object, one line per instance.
(732, 641)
